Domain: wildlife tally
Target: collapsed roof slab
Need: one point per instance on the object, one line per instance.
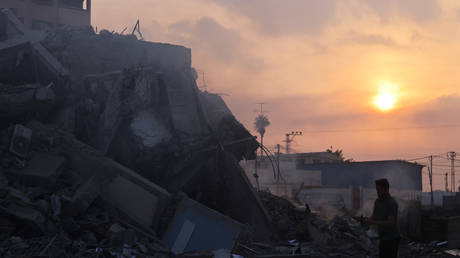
(23, 59)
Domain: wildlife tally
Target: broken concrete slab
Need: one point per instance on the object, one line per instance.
(25, 213)
(85, 195)
(24, 62)
(221, 184)
(242, 202)
(134, 201)
(210, 229)
(11, 26)
(20, 140)
(140, 200)
(24, 59)
(17, 101)
(42, 170)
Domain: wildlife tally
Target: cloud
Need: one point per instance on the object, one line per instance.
(306, 111)
(206, 35)
(210, 35)
(417, 10)
(442, 111)
(208, 39)
(370, 39)
(276, 17)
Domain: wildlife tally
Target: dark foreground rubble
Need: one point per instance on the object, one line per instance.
(310, 235)
(69, 216)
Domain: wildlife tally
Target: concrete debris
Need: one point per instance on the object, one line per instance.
(24, 213)
(210, 230)
(86, 193)
(290, 222)
(42, 170)
(20, 140)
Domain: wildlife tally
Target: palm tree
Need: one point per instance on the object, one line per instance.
(260, 123)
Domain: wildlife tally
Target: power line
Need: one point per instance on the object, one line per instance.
(384, 129)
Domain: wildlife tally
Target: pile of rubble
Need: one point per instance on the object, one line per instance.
(50, 208)
(432, 249)
(304, 233)
(341, 237)
(109, 149)
(290, 222)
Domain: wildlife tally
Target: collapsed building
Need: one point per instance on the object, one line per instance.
(97, 107)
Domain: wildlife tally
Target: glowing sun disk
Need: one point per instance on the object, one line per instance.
(384, 101)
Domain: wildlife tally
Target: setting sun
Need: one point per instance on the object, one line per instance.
(384, 101)
(386, 98)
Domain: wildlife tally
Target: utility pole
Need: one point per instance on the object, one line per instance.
(204, 87)
(452, 156)
(290, 139)
(430, 174)
(278, 162)
(261, 107)
(256, 176)
(447, 182)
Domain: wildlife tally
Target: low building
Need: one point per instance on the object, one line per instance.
(289, 179)
(46, 14)
(321, 179)
(352, 185)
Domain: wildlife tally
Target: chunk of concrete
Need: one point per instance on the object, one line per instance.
(25, 213)
(42, 170)
(20, 141)
(132, 200)
(196, 227)
(87, 193)
(31, 98)
(134, 196)
(24, 58)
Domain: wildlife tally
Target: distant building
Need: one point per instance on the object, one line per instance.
(46, 14)
(322, 178)
(291, 177)
(438, 198)
(352, 185)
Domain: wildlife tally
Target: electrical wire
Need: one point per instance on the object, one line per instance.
(384, 129)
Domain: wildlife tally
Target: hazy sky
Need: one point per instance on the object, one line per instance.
(318, 66)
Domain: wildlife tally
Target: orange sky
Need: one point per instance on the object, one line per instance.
(318, 64)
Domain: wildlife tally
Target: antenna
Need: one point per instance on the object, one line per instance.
(137, 28)
(451, 155)
(261, 107)
(290, 138)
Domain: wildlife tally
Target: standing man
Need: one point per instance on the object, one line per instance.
(385, 217)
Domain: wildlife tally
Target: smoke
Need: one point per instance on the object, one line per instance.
(327, 204)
